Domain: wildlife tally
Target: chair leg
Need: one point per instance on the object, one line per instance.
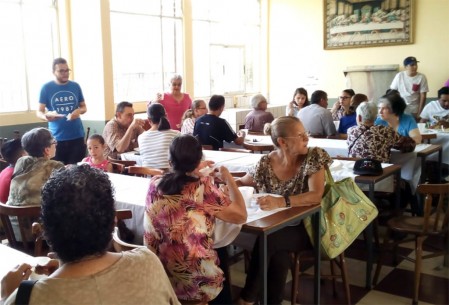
(344, 275)
(382, 251)
(418, 263)
(295, 278)
(334, 282)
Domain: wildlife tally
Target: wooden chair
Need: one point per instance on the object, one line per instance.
(25, 216)
(118, 168)
(87, 134)
(120, 245)
(207, 147)
(260, 148)
(142, 171)
(433, 223)
(340, 261)
(124, 162)
(241, 150)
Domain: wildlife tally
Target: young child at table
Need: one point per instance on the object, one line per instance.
(95, 147)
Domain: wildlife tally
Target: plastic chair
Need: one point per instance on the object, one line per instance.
(433, 223)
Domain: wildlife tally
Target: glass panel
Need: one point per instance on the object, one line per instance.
(27, 50)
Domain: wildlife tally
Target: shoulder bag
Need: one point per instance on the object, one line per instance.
(345, 212)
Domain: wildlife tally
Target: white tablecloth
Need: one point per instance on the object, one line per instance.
(443, 140)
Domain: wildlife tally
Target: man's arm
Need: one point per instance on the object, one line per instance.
(123, 143)
(77, 112)
(422, 101)
(40, 112)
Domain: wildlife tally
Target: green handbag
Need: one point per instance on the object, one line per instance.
(345, 212)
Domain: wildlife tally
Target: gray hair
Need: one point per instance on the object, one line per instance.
(175, 77)
(257, 99)
(368, 111)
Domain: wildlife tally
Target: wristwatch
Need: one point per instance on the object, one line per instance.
(287, 201)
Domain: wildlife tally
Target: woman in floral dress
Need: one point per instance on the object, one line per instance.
(181, 207)
(297, 173)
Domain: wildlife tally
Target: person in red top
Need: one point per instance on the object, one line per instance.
(12, 150)
(175, 103)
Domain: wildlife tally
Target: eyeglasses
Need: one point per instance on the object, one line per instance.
(304, 135)
(344, 97)
(54, 142)
(63, 71)
(201, 108)
(176, 84)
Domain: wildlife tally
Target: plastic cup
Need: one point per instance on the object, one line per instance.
(422, 127)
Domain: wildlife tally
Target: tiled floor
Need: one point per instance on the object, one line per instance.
(394, 287)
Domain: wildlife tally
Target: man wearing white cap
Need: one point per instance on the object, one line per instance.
(412, 86)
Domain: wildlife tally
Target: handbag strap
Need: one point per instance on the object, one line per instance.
(328, 176)
(350, 147)
(24, 292)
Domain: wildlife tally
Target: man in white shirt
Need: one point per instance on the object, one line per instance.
(316, 118)
(439, 108)
(412, 86)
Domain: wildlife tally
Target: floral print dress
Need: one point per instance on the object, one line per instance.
(180, 228)
(268, 182)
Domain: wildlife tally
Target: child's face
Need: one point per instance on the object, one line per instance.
(95, 148)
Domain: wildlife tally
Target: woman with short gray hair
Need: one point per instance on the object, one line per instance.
(258, 117)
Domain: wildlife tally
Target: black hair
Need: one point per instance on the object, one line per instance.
(156, 114)
(122, 105)
(303, 92)
(78, 212)
(317, 96)
(58, 61)
(350, 92)
(397, 103)
(36, 140)
(444, 90)
(216, 102)
(97, 137)
(12, 150)
(185, 155)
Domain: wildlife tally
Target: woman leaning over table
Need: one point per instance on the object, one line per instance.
(181, 207)
(297, 173)
(391, 113)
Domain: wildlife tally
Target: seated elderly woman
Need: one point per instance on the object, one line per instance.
(367, 140)
(391, 113)
(31, 172)
(78, 217)
(181, 208)
(256, 119)
(297, 173)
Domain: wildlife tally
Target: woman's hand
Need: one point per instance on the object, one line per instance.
(201, 169)
(268, 202)
(48, 268)
(13, 278)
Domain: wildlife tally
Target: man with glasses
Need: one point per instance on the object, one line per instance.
(64, 101)
(316, 118)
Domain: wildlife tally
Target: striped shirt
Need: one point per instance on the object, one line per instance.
(154, 147)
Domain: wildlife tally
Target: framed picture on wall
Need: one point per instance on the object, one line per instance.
(367, 23)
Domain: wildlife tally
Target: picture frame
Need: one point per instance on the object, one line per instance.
(367, 23)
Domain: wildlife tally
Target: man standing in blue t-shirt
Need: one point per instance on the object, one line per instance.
(64, 102)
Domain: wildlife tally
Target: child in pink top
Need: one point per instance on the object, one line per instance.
(95, 146)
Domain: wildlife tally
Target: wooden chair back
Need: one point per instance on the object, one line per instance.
(435, 219)
(241, 150)
(207, 147)
(142, 171)
(124, 162)
(25, 216)
(117, 168)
